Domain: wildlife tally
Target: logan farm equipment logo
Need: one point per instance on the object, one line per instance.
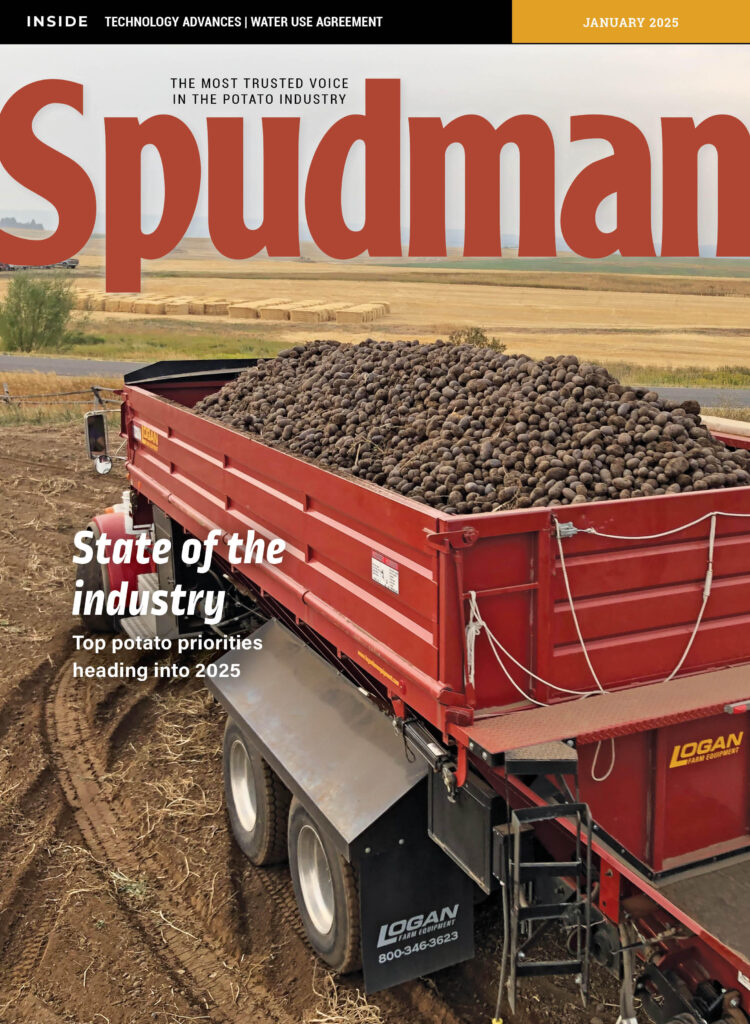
(697, 751)
(414, 927)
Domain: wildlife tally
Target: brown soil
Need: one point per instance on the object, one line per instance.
(122, 896)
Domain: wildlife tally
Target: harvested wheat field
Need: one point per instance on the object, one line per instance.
(29, 396)
(650, 328)
(678, 319)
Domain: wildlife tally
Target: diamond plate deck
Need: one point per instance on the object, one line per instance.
(611, 714)
(717, 901)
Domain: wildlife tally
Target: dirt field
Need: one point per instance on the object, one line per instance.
(122, 897)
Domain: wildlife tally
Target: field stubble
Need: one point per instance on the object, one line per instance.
(683, 321)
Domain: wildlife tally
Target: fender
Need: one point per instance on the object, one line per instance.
(115, 526)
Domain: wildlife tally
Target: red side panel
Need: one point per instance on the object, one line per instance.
(637, 600)
(676, 795)
(621, 803)
(340, 535)
(703, 769)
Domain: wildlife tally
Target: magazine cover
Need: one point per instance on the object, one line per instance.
(375, 516)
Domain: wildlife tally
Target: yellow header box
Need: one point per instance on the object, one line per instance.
(624, 21)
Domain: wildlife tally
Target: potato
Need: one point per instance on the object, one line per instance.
(470, 429)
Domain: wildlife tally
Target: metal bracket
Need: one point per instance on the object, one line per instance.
(669, 1001)
(566, 529)
(450, 781)
(440, 760)
(422, 742)
(453, 540)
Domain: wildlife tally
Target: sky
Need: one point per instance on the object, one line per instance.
(640, 83)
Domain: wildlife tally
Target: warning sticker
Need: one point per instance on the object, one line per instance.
(385, 572)
(149, 437)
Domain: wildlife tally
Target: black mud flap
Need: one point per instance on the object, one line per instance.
(416, 904)
(338, 754)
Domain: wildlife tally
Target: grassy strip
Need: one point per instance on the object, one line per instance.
(42, 414)
(728, 413)
(661, 266)
(681, 376)
(146, 341)
(514, 274)
(152, 340)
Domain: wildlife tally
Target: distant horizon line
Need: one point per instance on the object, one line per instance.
(454, 237)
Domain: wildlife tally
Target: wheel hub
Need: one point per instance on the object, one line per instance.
(242, 781)
(315, 879)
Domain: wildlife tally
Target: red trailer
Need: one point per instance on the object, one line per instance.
(548, 705)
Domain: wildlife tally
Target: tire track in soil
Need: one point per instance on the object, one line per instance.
(25, 953)
(199, 961)
(30, 690)
(104, 825)
(23, 950)
(409, 999)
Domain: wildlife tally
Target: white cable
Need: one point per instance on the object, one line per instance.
(603, 778)
(564, 568)
(707, 583)
(476, 624)
(474, 628)
(667, 533)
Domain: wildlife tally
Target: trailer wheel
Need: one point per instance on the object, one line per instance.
(257, 800)
(325, 886)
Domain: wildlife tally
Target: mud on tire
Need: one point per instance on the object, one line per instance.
(257, 800)
(326, 889)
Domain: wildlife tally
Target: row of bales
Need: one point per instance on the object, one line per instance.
(310, 311)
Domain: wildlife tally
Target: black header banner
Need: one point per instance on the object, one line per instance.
(256, 27)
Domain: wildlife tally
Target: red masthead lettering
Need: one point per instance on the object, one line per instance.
(482, 145)
(126, 244)
(279, 232)
(379, 129)
(48, 173)
(625, 175)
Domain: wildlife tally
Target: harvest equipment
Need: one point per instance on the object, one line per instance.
(547, 706)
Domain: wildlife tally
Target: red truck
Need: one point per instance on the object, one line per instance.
(548, 707)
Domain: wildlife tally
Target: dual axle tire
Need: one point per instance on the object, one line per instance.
(325, 886)
(257, 800)
(269, 825)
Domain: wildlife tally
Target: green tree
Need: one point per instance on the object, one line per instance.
(475, 336)
(35, 313)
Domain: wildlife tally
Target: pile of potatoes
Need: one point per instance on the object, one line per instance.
(470, 429)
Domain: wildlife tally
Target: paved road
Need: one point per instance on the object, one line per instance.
(66, 367)
(711, 397)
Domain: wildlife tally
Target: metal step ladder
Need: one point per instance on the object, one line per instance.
(523, 917)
